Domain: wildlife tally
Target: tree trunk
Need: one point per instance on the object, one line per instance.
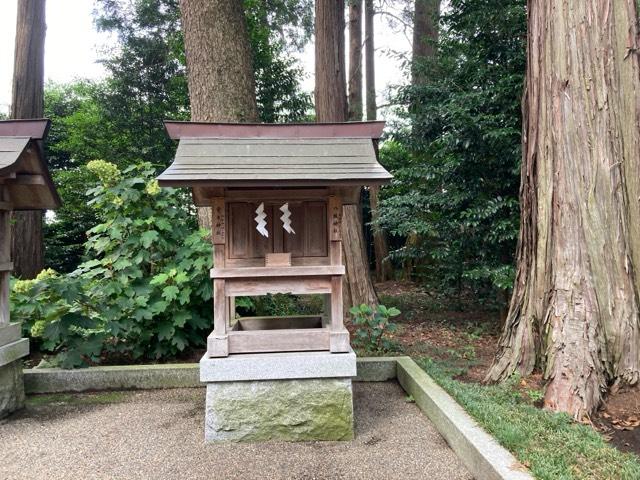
(355, 60)
(219, 65)
(27, 101)
(574, 310)
(425, 37)
(380, 246)
(369, 51)
(330, 91)
(331, 106)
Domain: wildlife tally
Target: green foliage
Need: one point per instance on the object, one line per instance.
(145, 293)
(373, 327)
(552, 445)
(454, 201)
(59, 316)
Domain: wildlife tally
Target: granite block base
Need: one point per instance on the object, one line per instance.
(273, 396)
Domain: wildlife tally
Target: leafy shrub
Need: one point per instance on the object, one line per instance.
(56, 313)
(453, 204)
(144, 293)
(373, 327)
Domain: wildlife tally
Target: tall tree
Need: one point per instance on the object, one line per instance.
(370, 68)
(355, 60)
(331, 106)
(380, 245)
(330, 88)
(27, 101)
(220, 73)
(574, 310)
(425, 37)
(221, 80)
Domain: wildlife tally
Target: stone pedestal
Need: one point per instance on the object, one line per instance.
(279, 396)
(12, 349)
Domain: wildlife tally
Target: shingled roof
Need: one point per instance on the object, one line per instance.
(268, 154)
(23, 169)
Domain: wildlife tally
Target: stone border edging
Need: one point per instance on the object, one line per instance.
(479, 451)
(146, 377)
(120, 377)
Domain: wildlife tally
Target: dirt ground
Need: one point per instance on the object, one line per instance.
(467, 340)
(160, 434)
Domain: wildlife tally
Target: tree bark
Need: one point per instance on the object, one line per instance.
(331, 106)
(380, 246)
(330, 89)
(574, 310)
(355, 60)
(219, 65)
(370, 67)
(27, 101)
(425, 37)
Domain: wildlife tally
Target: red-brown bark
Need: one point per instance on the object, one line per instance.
(574, 310)
(355, 60)
(27, 101)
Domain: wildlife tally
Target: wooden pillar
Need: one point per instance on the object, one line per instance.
(217, 342)
(5, 256)
(337, 317)
(339, 336)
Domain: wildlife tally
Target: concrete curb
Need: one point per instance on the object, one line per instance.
(148, 377)
(121, 377)
(480, 452)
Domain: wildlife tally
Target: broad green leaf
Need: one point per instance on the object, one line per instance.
(148, 238)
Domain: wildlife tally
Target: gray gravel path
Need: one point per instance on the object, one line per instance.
(159, 435)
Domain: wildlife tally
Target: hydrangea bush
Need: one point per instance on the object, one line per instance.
(144, 293)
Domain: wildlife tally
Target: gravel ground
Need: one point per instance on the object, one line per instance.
(159, 435)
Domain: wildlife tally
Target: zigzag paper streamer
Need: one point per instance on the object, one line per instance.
(260, 220)
(286, 218)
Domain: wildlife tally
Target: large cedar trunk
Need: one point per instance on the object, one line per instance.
(331, 106)
(330, 90)
(369, 53)
(355, 60)
(27, 101)
(219, 66)
(425, 36)
(380, 246)
(574, 310)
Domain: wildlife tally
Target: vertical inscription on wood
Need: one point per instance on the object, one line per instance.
(335, 218)
(219, 221)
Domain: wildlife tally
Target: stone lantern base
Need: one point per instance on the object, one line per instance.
(12, 349)
(279, 396)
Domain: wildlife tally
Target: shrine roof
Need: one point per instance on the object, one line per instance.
(271, 154)
(23, 168)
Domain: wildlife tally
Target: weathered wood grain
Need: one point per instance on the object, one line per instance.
(290, 340)
(269, 272)
(238, 287)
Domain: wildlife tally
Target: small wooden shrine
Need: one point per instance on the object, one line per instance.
(25, 184)
(276, 194)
